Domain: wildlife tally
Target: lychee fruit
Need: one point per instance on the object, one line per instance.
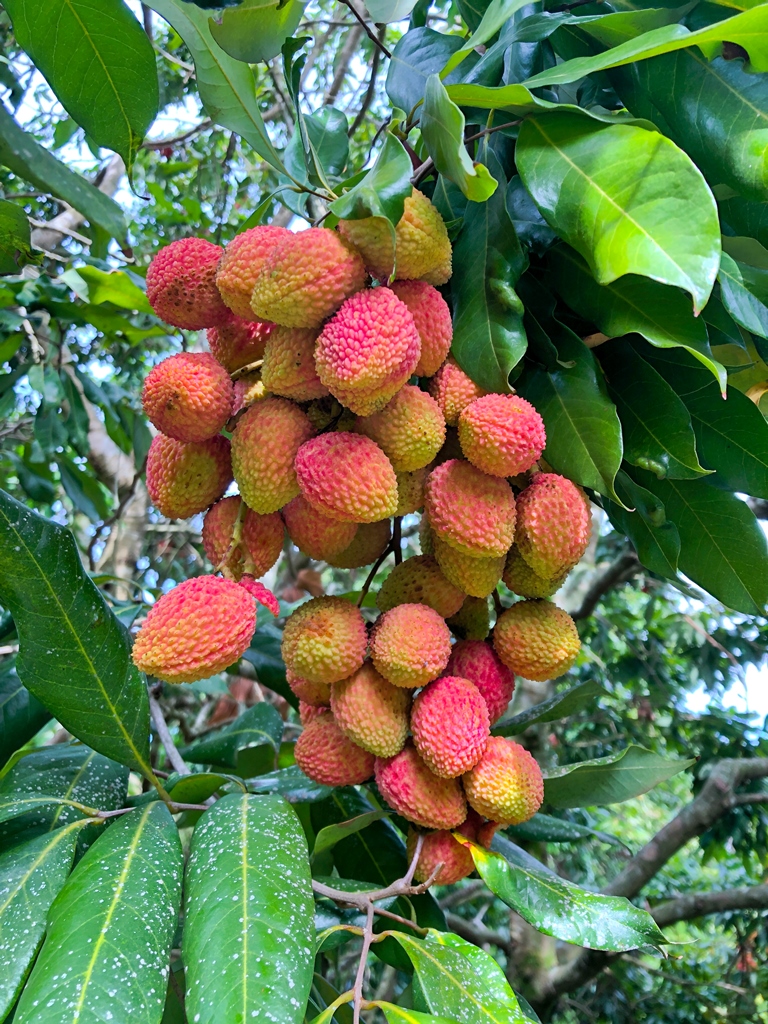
(181, 284)
(259, 544)
(312, 694)
(368, 350)
(264, 445)
(472, 621)
(238, 342)
(410, 491)
(555, 524)
(432, 317)
(185, 478)
(477, 577)
(410, 429)
(188, 396)
(522, 580)
(453, 390)
(419, 580)
(506, 784)
(441, 848)
(450, 725)
(330, 758)
(371, 711)
(469, 510)
(537, 640)
(197, 629)
(305, 278)
(348, 477)
(308, 711)
(243, 258)
(289, 364)
(370, 541)
(324, 640)
(421, 243)
(478, 662)
(315, 534)
(412, 790)
(410, 644)
(501, 434)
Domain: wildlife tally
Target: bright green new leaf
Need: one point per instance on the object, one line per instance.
(98, 286)
(255, 30)
(562, 705)
(611, 779)
(399, 1015)
(497, 13)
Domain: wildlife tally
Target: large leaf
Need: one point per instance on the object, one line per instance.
(249, 925)
(744, 293)
(98, 61)
(290, 783)
(399, 1015)
(494, 17)
(32, 875)
(21, 714)
(74, 655)
(33, 163)
(249, 745)
(560, 908)
(119, 907)
(609, 780)
(383, 190)
(628, 200)
(419, 53)
(328, 836)
(644, 520)
(569, 702)
(255, 30)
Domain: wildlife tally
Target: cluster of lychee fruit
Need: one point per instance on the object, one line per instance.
(330, 397)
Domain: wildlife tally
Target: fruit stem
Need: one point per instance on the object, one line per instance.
(237, 536)
(372, 574)
(397, 539)
(248, 368)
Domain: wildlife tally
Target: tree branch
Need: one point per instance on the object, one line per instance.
(376, 42)
(175, 759)
(476, 933)
(692, 905)
(622, 569)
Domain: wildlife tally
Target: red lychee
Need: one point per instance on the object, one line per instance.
(330, 758)
(450, 725)
(184, 479)
(478, 662)
(188, 396)
(181, 285)
(411, 789)
(260, 543)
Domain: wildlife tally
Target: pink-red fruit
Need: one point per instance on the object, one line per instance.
(184, 479)
(324, 640)
(440, 848)
(317, 695)
(370, 541)
(348, 477)
(330, 758)
(410, 645)
(419, 580)
(478, 662)
(371, 711)
(432, 317)
(506, 784)
(501, 434)
(315, 534)
(453, 390)
(243, 258)
(537, 640)
(469, 510)
(289, 364)
(554, 524)
(238, 342)
(450, 725)
(188, 396)
(181, 285)
(258, 545)
(413, 791)
(410, 429)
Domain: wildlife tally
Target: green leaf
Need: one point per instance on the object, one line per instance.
(14, 806)
(743, 289)
(384, 12)
(74, 655)
(255, 30)
(442, 130)
(32, 875)
(655, 539)
(249, 914)
(290, 783)
(611, 779)
(496, 14)
(98, 286)
(560, 908)
(383, 190)
(421, 52)
(399, 1015)
(562, 705)
(21, 714)
(249, 745)
(264, 654)
(98, 61)
(628, 200)
(543, 828)
(15, 242)
(633, 305)
(119, 905)
(33, 163)
(226, 86)
(330, 835)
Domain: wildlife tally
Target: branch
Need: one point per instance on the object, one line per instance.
(370, 92)
(376, 42)
(476, 933)
(621, 570)
(175, 759)
(348, 50)
(692, 905)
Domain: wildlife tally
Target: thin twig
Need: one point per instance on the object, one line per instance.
(397, 539)
(173, 807)
(360, 976)
(174, 757)
(371, 35)
(371, 90)
(246, 369)
(401, 920)
(422, 170)
(372, 574)
(177, 139)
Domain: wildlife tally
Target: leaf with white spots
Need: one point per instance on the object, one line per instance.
(249, 933)
(107, 950)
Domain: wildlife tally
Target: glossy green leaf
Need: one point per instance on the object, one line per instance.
(543, 828)
(99, 63)
(15, 242)
(290, 783)
(419, 53)
(562, 705)
(560, 908)
(628, 200)
(611, 779)
(31, 876)
(496, 14)
(21, 714)
(119, 904)
(14, 806)
(383, 190)
(255, 30)
(330, 835)
(74, 656)
(248, 944)
(399, 1015)
(264, 654)
(644, 520)
(249, 745)
(442, 129)
(743, 290)
(633, 305)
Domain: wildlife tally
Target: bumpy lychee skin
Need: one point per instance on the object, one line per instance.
(411, 789)
(501, 434)
(307, 712)
(324, 640)
(317, 695)
(264, 445)
(522, 580)
(368, 350)
(289, 364)
(537, 640)
(419, 580)
(315, 534)
(238, 342)
(453, 390)
(410, 491)
(248, 389)
(243, 258)
(506, 784)
(181, 285)
(348, 477)
(369, 542)
(471, 511)
(306, 278)
(410, 429)
(440, 848)
(432, 317)
(422, 244)
(450, 725)
(410, 645)
(327, 756)
(185, 478)
(260, 544)
(195, 630)
(371, 711)
(477, 577)
(472, 621)
(555, 524)
(478, 662)
(188, 396)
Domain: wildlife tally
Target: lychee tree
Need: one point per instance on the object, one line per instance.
(421, 359)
